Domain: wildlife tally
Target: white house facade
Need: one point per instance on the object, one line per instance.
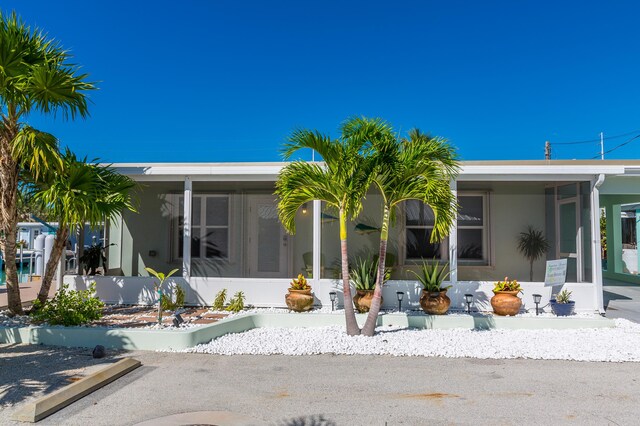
(218, 224)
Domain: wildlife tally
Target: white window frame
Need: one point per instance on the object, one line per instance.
(175, 233)
(486, 244)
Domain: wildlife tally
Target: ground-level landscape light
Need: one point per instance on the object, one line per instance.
(400, 296)
(332, 296)
(469, 299)
(177, 320)
(536, 299)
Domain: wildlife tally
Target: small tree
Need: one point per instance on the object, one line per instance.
(157, 286)
(532, 244)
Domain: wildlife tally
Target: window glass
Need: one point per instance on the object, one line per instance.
(217, 213)
(419, 246)
(470, 212)
(470, 244)
(418, 214)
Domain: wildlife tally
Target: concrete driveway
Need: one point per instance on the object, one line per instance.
(362, 390)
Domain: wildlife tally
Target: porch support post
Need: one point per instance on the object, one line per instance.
(317, 240)
(596, 249)
(453, 241)
(186, 239)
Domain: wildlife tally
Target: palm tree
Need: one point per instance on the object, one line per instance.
(532, 244)
(418, 168)
(341, 182)
(81, 193)
(35, 75)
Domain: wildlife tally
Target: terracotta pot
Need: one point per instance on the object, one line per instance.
(299, 300)
(506, 302)
(436, 303)
(362, 300)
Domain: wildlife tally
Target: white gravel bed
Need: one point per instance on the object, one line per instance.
(618, 344)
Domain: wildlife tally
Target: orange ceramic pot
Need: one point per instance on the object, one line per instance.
(506, 302)
(436, 303)
(299, 300)
(362, 300)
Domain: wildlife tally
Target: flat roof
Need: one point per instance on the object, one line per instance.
(470, 170)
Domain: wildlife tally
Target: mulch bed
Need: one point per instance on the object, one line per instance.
(145, 316)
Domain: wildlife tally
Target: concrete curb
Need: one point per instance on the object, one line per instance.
(142, 339)
(59, 399)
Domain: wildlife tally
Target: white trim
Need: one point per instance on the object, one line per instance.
(317, 239)
(596, 265)
(453, 240)
(186, 236)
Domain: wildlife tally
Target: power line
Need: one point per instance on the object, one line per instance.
(596, 140)
(619, 146)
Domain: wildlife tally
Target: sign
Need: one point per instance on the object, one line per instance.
(556, 273)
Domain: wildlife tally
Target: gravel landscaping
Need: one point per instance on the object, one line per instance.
(617, 344)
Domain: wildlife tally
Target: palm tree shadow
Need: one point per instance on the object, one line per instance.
(42, 369)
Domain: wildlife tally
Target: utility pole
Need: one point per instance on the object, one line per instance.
(547, 150)
(602, 145)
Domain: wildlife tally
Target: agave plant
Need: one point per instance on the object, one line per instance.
(363, 274)
(432, 276)
(299, 283)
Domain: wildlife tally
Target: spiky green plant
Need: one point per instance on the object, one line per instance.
(532, 244)
(507, 285)
(236, 304)
(220, 300)
(432, 276)
(363, 274)
(563, 297)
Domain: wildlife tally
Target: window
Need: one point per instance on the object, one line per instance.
(209, 227)
(419, 221)
(472, 231)
(472, 235)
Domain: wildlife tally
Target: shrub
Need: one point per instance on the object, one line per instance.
(220, 300)
(237, 303)
(167, 303)
(69, 307)
(507, 285)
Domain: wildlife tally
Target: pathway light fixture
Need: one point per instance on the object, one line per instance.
(536, 299)
(332, 296)
(400, 296)
(469, 300)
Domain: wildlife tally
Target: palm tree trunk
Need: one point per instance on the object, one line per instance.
(349, 312)
(9, 214)
(59, 245)
(531, 270)
(370, 325)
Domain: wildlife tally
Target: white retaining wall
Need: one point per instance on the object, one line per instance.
(271, 292)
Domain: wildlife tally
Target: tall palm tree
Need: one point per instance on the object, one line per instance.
(341, 182)
(418, 168)
(35, 76)
(81, 193)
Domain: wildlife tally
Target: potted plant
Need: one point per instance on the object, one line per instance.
(299, 298)
(505, 300)
(562, 305)
(363, 276)
(434, 299)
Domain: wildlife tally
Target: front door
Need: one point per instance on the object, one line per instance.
(267, 250)
(570, 246)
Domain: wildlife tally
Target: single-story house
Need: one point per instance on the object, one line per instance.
(218, 224)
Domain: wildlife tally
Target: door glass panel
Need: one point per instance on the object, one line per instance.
(567, 228)
(268, 238)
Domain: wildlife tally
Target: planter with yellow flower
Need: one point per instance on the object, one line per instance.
(506, 300)
(299, 298)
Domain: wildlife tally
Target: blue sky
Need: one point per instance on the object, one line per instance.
(228, 80)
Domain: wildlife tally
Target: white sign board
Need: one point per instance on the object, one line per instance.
(556, 273)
